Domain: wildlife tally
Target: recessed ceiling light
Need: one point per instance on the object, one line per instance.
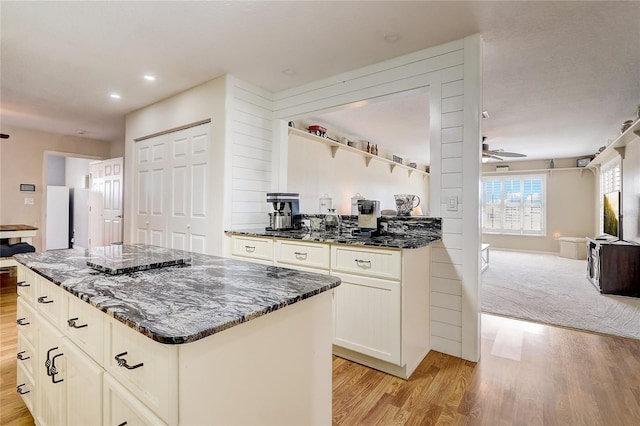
(149, 77)
(392, 38)
(115, 96)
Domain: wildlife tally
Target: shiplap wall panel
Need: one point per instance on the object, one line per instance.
(448, 316)
(447, 285)
(250, 121)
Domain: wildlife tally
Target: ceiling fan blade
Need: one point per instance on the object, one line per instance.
(487, 154)
(511, 154)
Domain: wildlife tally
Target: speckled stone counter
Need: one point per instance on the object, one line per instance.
(408, 232)
(180, 304)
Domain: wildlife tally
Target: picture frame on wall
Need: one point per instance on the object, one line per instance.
(27, 187)
(583, 162)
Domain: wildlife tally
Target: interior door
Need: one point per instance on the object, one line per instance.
(151, 162)
(189, 171)
(112, 201)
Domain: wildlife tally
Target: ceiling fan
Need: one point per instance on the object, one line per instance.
(496, 154)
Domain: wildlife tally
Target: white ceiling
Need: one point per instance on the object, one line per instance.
(559, 77)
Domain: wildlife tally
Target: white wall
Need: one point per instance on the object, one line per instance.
(55, 170)
(452, 72)
(76, 170)
(312, 172)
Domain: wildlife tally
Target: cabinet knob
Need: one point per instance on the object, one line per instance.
(123, 362)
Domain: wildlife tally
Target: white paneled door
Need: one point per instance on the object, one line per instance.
(172, 174)
(105, 202)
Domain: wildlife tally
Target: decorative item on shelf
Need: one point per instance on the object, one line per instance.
(626, 125)
(413, 165)
(502, 168)
(552, 165)
(583, 162)
(397, 159)
(368, 147)
(317, 130)
(353, 144)
(427, 169)
(292, 124)
(374, 150)
(344, 140)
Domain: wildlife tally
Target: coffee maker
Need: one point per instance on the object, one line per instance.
(286, 211)
(368, 217)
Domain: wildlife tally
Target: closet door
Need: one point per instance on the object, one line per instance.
(189, 218)
(152, 189)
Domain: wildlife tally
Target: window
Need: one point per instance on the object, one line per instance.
(514, 205)
(609, 182)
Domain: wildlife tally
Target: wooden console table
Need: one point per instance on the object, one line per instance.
(22, 233)
(613, 267)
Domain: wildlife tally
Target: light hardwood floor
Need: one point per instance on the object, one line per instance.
(528, 374)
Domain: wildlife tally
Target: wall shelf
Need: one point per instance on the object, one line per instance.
(617, 147)
(337, 146)
(550, 171)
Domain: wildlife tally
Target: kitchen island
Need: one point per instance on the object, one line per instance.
(207, 340)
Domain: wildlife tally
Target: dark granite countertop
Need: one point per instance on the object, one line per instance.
(402, 232)
(184, 303)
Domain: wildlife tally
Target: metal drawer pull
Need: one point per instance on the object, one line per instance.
(249, 249)
(20, 391)
(23, 284)
(47, 363)
(20, 321)
(123, 362)
(41, 299)
(72, 323)
(54, 370)
(362, 262)
(297, 253)
(22, 358)
(123, 423)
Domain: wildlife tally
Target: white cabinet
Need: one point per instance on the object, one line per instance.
(122, 407)
(254, 249)
(148, 369)
(172, 190)
(367, 317)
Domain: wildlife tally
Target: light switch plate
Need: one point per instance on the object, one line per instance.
(452, 203)
(28, 201)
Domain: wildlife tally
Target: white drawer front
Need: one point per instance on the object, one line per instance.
(50, 301)
(252, 248)
(26, 354)
(26, 283)
(25, 387)
(25, 319)
(83, 324)
(152, 369)
(378, 263)
(121, 407)
(296, 254)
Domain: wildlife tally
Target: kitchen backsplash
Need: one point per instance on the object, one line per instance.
(395, 225)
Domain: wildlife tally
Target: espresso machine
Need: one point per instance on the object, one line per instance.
(286, 211)
(368, 217)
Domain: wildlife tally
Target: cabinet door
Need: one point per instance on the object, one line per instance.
(50, 370)
(50, 301)
(25, 387)
(26, 284)
(83, 379)
(367, 317)
(122, 407)
(26, 321)
(83, 324)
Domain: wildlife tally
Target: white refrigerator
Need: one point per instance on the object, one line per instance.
(57, 231)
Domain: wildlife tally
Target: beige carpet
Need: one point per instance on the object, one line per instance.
(554, 290)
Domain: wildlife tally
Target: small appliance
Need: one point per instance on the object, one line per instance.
(368, 217)
(286, 211)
